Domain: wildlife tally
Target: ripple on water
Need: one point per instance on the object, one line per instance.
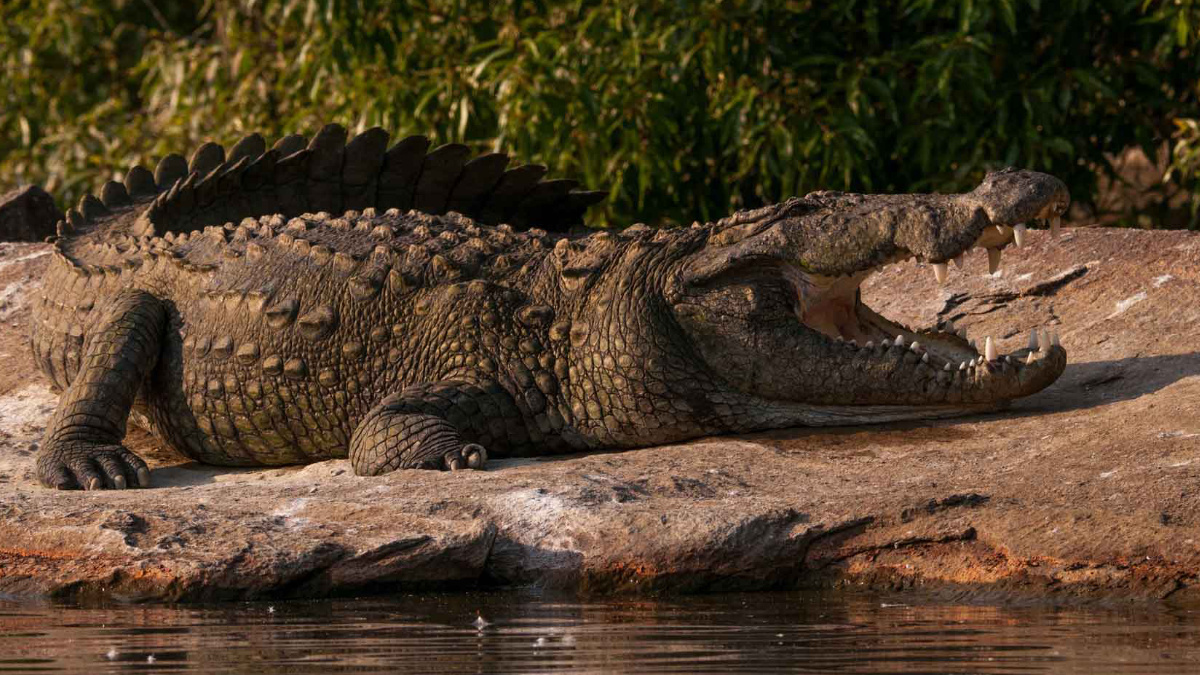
(530, 633)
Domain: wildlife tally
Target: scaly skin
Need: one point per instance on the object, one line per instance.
(409, 340)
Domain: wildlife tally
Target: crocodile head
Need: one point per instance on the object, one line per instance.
(772, 302)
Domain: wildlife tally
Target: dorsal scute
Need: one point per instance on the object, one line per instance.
(331, 173)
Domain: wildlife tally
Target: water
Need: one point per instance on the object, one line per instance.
(528, 633)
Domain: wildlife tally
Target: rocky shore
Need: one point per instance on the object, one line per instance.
(1090, 489)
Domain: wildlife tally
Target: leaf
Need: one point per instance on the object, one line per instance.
(1090, 81)
(1009, 14)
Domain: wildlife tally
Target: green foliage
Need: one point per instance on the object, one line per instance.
(684, 110)
(1185, 161)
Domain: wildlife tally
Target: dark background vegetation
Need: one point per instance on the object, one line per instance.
(684, 110)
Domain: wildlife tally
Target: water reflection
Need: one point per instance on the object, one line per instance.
(769, 632)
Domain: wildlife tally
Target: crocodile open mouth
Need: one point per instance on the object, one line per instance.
(774, 302)
(833, 307)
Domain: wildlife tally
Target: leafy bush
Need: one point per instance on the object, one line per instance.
(684, 110)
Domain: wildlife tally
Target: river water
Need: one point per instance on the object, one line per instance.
(525, 632)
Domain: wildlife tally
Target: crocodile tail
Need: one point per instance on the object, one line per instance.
(329, 174)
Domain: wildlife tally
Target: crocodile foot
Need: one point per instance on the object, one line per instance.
(470, 456)
(392, 438)
(461, 458)
(89, 466)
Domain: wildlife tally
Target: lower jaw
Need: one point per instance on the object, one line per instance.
(899, 374)
(889, 382)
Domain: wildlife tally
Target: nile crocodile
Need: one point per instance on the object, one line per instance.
(313, 302)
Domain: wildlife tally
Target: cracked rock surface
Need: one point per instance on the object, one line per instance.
(1090, 489)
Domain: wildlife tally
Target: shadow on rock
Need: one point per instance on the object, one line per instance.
(1089, 385)
(194, 473)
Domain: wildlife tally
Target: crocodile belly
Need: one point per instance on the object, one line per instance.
(235, 412)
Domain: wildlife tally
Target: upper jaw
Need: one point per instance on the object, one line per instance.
(990, 217)
(1013, 196)
(836, 234)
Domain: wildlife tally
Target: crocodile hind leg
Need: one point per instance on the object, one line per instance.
(82, 447)
(432, 426)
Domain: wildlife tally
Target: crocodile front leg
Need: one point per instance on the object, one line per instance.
(82, 447)
(432, 426)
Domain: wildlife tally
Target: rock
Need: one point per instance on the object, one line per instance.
(1089, 489)
(27, 214)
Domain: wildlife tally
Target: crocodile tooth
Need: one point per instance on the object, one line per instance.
(870, 344)
(1055, 224)
(853, 343)
(962, 365)
(962, 333)
(1044, 343)
(946, 367)
(915, 346)
(1033, 340)
(1019, 234)
(925, 358)
(958, 261)
(989, 349)
(1054, 338)
(899, 341)
(993, 260)
(1029, 359)
(941, 272)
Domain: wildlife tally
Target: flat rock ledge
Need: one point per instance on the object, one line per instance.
(1089, 490)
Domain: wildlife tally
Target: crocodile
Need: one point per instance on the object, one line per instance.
(411, 310)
